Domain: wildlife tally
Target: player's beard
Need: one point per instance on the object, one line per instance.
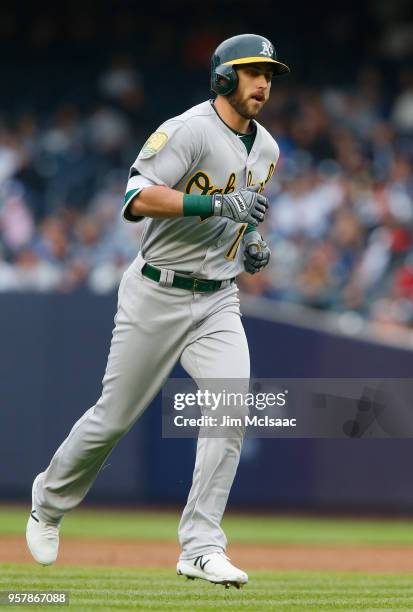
(242, 107)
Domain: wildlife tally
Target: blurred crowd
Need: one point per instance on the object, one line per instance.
(341, 216)
(62, 180)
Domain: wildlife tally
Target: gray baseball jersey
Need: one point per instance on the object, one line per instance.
(197, 153)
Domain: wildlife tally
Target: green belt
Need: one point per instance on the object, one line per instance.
(184, 282)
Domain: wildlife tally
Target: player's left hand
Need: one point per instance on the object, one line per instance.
(256, 252)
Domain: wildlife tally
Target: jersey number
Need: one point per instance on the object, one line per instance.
(232, 251)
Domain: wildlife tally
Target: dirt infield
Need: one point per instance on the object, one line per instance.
(135, 553)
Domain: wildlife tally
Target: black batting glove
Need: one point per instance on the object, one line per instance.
(244, 206)
(256, 253)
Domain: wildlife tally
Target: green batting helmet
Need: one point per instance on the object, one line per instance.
(242, 49)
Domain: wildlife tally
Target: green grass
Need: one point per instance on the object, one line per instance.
(258, 529)
(110, 589)
(92, 588)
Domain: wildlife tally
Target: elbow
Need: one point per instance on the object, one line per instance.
(150, 202)
(142, 205)
(136, 206)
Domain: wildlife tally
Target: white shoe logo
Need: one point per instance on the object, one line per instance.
(267, 48)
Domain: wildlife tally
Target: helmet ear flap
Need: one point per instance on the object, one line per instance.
(224, 79)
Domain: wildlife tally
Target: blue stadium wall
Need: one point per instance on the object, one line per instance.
(53, 354)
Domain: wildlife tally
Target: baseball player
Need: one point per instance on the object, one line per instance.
(197, 181)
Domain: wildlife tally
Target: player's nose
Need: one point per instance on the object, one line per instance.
(262, 82)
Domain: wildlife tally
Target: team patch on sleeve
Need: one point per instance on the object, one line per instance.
(153, 145)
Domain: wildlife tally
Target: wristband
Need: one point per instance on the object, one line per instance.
(250, 228)
(197, 205)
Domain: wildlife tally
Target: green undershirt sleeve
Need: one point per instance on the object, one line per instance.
(197, 205)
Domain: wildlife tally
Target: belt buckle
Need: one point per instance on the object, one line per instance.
(195, 285)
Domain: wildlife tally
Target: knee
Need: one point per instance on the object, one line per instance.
(115, 432)
(106, 432)
(110, 425)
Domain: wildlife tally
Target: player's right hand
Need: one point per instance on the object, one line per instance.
(244, 206)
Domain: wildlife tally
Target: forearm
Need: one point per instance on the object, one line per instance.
(157, 202)
(163, 203)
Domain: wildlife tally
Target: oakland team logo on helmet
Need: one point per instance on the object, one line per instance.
(238, 50)
(267, 48)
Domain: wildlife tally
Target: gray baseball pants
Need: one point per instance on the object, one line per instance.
(155, 326)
